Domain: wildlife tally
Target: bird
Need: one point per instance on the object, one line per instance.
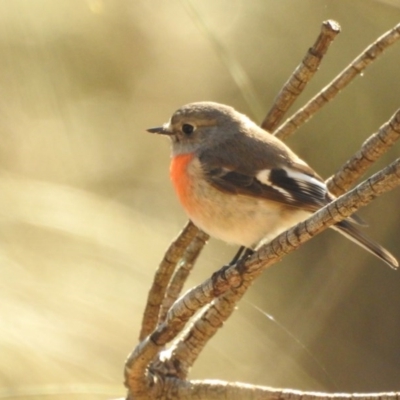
(241, 184)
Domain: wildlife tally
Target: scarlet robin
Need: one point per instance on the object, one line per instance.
(241, 184)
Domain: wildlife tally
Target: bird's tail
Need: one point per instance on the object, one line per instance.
(348, 229)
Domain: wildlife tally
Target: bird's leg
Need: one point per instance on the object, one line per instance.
(242, 253)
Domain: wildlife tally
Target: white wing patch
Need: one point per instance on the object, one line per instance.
(305, 180)
(296, 187)
(264, 177)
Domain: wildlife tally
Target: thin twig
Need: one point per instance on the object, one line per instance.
(163, 276)
(178, 280)
(301, 75)
(369, 55)
(185, 351)
(246, 271)
(344, 206)
(371, 150)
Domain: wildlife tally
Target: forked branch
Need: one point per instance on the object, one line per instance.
(328, 93)
(163, 275)
(301, 76)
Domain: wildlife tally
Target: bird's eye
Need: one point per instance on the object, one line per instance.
(187, 129)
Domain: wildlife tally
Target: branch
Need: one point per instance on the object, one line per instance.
(181, 275)
(301, 76)
(344, 206)
(162, 277)
(185, 352)
(372, 149)
(370, 54)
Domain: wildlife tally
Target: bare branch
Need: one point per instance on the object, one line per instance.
(185, 352)
(178, 280)
(369, 55)
(162, 277)
(379, 183)
(137, 380)
(301, 76)
(372, 149)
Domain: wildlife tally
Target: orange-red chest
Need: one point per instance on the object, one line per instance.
(183, 181)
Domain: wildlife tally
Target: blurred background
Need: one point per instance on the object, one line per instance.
(87, 209)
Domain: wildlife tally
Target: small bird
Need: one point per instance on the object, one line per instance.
(240, 184)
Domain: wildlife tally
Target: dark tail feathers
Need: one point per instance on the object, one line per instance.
(347, 229)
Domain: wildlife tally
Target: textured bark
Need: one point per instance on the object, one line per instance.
(178, 280)
(340, 82)
(372, 149)
(301, 76)
(162, 277)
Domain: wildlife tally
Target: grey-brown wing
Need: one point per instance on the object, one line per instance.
(282, 185)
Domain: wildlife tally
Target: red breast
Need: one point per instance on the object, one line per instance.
(182, 182)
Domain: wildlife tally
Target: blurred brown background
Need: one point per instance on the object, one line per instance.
(87, 209)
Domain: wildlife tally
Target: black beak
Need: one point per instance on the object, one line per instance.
(160, 130)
